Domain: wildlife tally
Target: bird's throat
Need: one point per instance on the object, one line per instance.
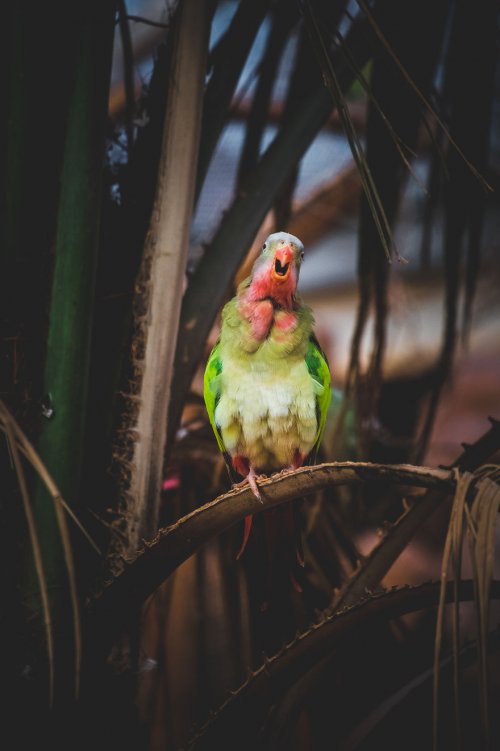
(280, 290)
(264, 314)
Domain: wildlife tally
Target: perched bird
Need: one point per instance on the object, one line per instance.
(267, 381)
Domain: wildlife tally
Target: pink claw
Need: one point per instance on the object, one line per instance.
(253, 484)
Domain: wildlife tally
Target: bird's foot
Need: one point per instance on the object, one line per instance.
(250, 479)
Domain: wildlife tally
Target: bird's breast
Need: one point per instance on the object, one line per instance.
(267, 410)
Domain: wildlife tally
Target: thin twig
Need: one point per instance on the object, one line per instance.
(37, 554)
(146, 21)
(417, 91)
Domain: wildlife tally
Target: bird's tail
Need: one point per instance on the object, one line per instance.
(283, 540)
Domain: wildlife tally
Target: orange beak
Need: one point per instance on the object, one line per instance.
(282, 263)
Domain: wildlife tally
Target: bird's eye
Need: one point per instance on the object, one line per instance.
(264, 246)
(301, 255)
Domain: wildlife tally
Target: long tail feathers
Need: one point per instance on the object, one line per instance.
(246, 534)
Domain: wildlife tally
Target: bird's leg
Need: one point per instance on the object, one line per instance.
(242, 466)
(298, 460)
(251, 479)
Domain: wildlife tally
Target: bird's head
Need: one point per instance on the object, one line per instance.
(275, 273)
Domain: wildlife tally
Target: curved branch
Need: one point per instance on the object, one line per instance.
(138, 577)
(271, 680)
(397, 537)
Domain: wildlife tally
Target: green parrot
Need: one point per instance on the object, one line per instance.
(267, 381)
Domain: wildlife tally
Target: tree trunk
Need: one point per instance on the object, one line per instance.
(161, 277)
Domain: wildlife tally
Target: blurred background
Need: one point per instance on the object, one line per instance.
(370, 131)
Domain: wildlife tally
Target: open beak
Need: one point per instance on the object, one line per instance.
(282, 263)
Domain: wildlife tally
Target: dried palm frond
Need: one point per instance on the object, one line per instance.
(481, 526)
(475, 509)
(37, 553)
(18, 444)
(464, 192)
(27, 449)
(396, 537)
(418, 92)
(391, 101)
(331, 81)
(452, 558)
(399, 143)
(411, 75)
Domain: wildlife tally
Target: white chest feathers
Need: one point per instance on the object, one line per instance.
(267, 412)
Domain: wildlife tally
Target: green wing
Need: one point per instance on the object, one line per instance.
(211, 389)
(211, 394)
(317, 365)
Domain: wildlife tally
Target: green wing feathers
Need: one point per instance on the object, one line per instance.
(317, 365)
(211, 390)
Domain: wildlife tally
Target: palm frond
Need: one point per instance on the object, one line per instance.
(331, 80)
(475, 508)
(391, 101)
(399, 143)
(36, 550)
(452, 558)
(481, 526)
(19, 444)
(464, 194)
(378, 31)
(397, 536)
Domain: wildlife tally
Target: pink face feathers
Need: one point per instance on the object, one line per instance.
(276, 278)
(270, 297)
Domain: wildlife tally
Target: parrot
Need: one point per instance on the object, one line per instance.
(267, 381)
